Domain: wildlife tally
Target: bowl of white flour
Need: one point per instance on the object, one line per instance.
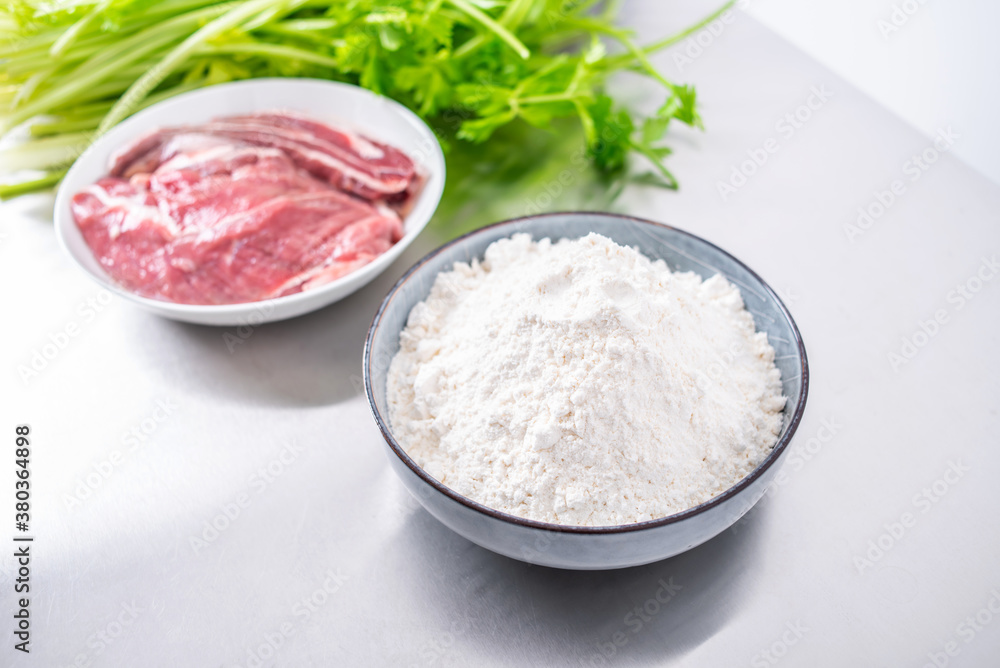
(585, 390)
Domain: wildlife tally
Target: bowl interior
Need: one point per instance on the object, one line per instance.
(681, 251)
(376, 116)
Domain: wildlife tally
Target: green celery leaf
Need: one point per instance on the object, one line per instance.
(479, 130)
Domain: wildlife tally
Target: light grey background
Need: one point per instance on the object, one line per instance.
(927, 61)
(117, 580)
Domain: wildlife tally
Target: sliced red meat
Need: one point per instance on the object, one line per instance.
(202, 188)
(269, 250)
(352, 163)
(223, 214)
(126, 230)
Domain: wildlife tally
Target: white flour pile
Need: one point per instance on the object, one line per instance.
(581, 383)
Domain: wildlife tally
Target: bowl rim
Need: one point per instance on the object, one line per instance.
(776, 451)
(435, 166)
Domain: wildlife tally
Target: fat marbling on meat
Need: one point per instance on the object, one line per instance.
(244, 208)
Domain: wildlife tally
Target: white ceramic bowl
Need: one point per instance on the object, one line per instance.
(585, 547)
(379, 117)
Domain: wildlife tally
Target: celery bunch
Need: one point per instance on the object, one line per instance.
(70, 70)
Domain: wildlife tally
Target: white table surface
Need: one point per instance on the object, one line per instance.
(116, 580)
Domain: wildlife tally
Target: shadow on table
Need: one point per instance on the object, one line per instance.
(312, 360)
(519, 614)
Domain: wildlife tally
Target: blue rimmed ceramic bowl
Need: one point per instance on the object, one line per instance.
(584, 547)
